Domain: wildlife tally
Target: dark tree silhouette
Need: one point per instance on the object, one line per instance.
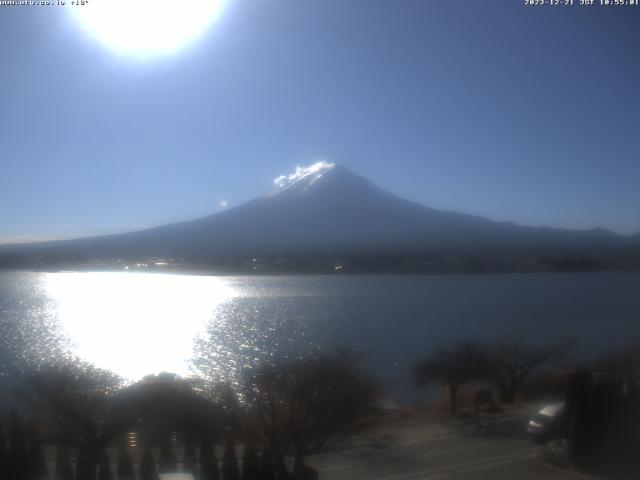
(19, 465)
(510, 362)
(190, 461)
(63, 470)
(4, 453)
(148, 465)
(37, 462)
(104, 468)
(167, 462)
(125, 465)
(602, 412)
(452, 366)
(208, 463)
(86, 407)
(168, 403)
(250, 464)
(298, 407)
(267, 465)
(230, 470)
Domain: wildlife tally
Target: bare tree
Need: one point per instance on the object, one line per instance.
(301, 406)
(452, 366)
(84, 403)
(509, 362)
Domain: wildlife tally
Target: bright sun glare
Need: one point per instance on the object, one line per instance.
(147, 27)
(135, 324)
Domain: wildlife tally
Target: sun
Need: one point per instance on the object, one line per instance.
(147, 27)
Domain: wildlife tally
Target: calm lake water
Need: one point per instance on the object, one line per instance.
(139, 323)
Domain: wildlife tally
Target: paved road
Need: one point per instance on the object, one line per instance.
(498, 450)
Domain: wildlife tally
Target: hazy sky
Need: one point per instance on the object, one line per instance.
(529, 114)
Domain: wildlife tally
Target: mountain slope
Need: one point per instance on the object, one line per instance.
(331, 210)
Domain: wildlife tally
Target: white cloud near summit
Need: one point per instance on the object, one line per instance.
(301, 172)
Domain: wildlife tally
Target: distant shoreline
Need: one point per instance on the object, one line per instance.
(265, 267)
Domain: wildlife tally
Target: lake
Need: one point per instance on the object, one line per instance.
(139, 323)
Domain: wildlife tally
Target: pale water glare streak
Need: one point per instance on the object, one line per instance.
(135, 323)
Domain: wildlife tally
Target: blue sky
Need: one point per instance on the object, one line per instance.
(486, 107)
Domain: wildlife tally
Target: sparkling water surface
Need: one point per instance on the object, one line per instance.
(140, 323)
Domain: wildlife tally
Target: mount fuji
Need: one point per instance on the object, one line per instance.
(328, 210)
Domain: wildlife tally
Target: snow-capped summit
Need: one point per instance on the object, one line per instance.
(325, 179)
(306, 175)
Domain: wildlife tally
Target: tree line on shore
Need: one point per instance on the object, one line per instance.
(291, 408)
(505, 363)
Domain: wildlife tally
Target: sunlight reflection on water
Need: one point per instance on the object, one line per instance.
(135, 323)
(140, 323)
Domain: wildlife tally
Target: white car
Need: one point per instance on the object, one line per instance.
(547, 424)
